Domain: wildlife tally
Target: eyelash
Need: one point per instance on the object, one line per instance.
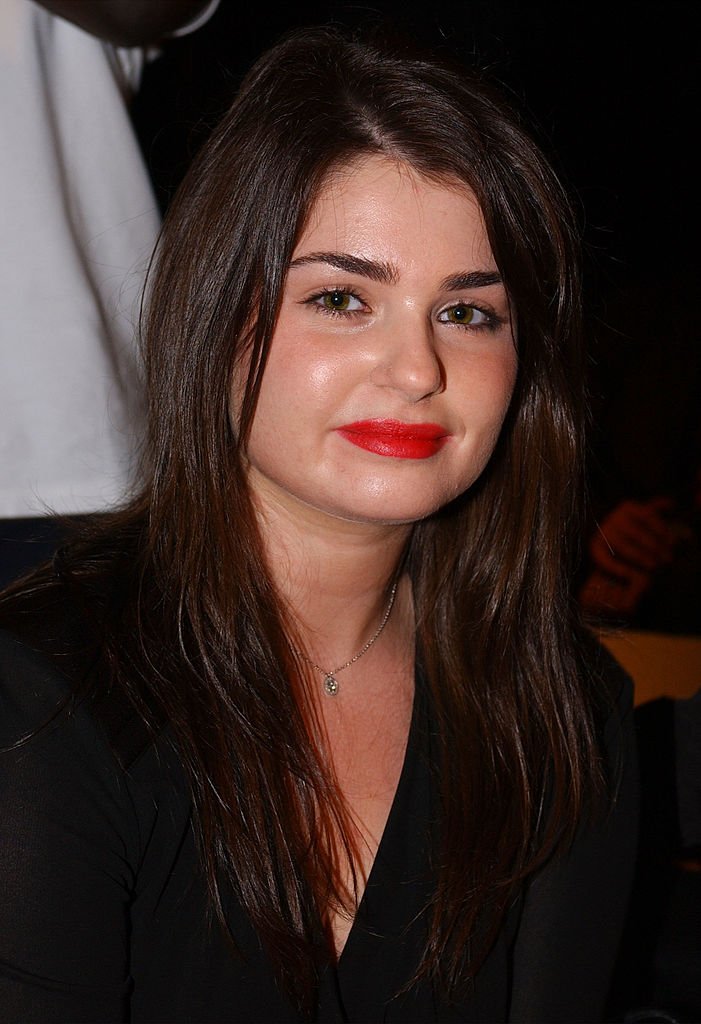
(491, 322)
(313, 301)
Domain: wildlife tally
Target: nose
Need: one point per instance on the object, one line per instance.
(407, 359)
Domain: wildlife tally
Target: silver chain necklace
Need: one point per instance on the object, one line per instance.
(330, 681)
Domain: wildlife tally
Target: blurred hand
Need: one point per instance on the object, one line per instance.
(642, 534)
(633, 541)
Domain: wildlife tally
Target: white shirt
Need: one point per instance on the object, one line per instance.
(78, 221)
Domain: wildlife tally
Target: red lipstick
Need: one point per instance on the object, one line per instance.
(396, 439)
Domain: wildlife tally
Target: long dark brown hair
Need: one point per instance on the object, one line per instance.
(200, 633)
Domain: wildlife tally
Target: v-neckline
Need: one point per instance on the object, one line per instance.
(397, 801)
(388, 935)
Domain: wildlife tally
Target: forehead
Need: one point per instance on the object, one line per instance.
(376, 201)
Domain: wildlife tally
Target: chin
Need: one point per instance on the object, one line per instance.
(393, 512)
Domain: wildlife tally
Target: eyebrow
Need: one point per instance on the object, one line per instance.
(472, 279)
(386, 273)
(376, 270)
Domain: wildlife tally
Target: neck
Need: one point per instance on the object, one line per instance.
(334, 575)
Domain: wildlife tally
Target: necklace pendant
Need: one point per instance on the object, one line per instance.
(331, 685)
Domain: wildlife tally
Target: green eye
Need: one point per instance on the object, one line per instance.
(464, 315)
(336, 300)
(460, 314)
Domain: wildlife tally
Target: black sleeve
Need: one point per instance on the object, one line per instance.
(67, 849)
(574, 909)
(128, 22)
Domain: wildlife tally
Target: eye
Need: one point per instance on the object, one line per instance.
(465, 315)
(338, 301)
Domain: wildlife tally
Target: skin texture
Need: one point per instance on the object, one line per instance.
(392, 354)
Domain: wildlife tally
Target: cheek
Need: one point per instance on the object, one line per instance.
(486, 404)
(270, 402)
(302, 384)
(506, 372)
(285, 408)
(507, 385)
(490, 388)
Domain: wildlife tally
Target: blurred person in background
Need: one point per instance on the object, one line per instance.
(78, 222)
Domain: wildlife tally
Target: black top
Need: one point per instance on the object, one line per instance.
(103, 913)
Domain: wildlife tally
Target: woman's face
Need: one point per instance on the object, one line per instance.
(393, 360)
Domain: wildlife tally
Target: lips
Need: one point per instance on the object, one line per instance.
(395, 439)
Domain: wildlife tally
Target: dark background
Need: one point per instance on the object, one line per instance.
(612, 88)
(611, 92)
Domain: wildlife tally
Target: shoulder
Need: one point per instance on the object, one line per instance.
(69, 731)
(89, 814)
(54, 662)
(574, 908)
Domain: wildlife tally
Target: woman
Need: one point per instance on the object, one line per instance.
(332, 745)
